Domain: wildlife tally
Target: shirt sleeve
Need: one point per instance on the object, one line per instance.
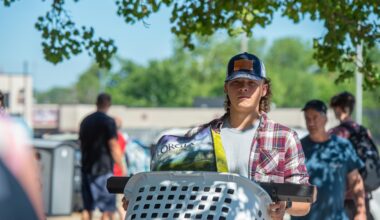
(111, 129)
(353, 160)
(295, 167)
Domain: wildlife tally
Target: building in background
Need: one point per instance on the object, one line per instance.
(18, 91)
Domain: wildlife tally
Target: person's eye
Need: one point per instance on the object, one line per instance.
(253, 84)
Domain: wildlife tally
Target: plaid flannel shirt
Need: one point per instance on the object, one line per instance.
(277, 157)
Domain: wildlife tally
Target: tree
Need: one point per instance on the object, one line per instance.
(289, 62)
(295, 76)
(348, 24)
(118, 83)
(177, 80)
(57, 95)
(161, 83)
(91, 83)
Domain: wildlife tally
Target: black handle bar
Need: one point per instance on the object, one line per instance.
(290, 192)
(277, 191)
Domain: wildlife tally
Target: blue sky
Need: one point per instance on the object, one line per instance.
(20, 42)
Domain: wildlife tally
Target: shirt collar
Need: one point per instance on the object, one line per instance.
(217, 124)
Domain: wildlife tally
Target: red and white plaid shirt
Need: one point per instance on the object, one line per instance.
(277, 157)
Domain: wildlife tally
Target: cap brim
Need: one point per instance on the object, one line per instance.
(245, 75)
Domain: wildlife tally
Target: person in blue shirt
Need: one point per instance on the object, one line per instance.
(333, 167)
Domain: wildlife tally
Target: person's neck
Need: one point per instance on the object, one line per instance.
(104, 110)
(345, 118)
(319, 137)
(241, 121)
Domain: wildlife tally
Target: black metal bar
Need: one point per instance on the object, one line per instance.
(277, 191)
(116, 184)
(290, 192)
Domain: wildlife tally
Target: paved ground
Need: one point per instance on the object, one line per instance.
(375, 210)
(74, 216)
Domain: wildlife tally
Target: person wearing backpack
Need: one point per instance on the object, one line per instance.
(360, 137)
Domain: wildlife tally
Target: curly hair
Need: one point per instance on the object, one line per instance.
(265, 101)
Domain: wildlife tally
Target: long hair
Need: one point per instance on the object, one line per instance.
(265, 101)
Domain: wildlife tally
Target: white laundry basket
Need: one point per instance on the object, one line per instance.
(195, 195)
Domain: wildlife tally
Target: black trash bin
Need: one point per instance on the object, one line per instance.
(57, 161)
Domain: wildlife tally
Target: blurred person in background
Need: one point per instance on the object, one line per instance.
(16, 118)
(20, 184)
(2, 104)
(100, 150)
(117, 170)
(333, 167)
(343, 106)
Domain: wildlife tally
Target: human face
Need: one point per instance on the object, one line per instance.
(315, 121)
(340, 113)
(245, 94)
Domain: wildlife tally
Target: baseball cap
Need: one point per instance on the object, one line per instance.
(315, 104)
(245, 65)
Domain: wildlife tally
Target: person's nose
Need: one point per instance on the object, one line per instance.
(311, 123)
(244, 87)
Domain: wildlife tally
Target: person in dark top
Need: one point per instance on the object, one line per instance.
(100, 150)
(343, 106)
(333, 166)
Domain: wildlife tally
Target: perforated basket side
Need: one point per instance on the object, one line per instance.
(197, 195)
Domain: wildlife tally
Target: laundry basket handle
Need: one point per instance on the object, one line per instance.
(116, 184)
(277, 191)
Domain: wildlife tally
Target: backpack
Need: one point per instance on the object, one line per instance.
(368, 153)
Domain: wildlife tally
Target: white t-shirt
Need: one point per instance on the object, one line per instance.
(237, 146)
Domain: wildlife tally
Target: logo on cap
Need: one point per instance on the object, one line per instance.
(243, 65)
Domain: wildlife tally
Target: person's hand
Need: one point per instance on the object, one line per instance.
(277, 210)
(125, 202)
(124, 171)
